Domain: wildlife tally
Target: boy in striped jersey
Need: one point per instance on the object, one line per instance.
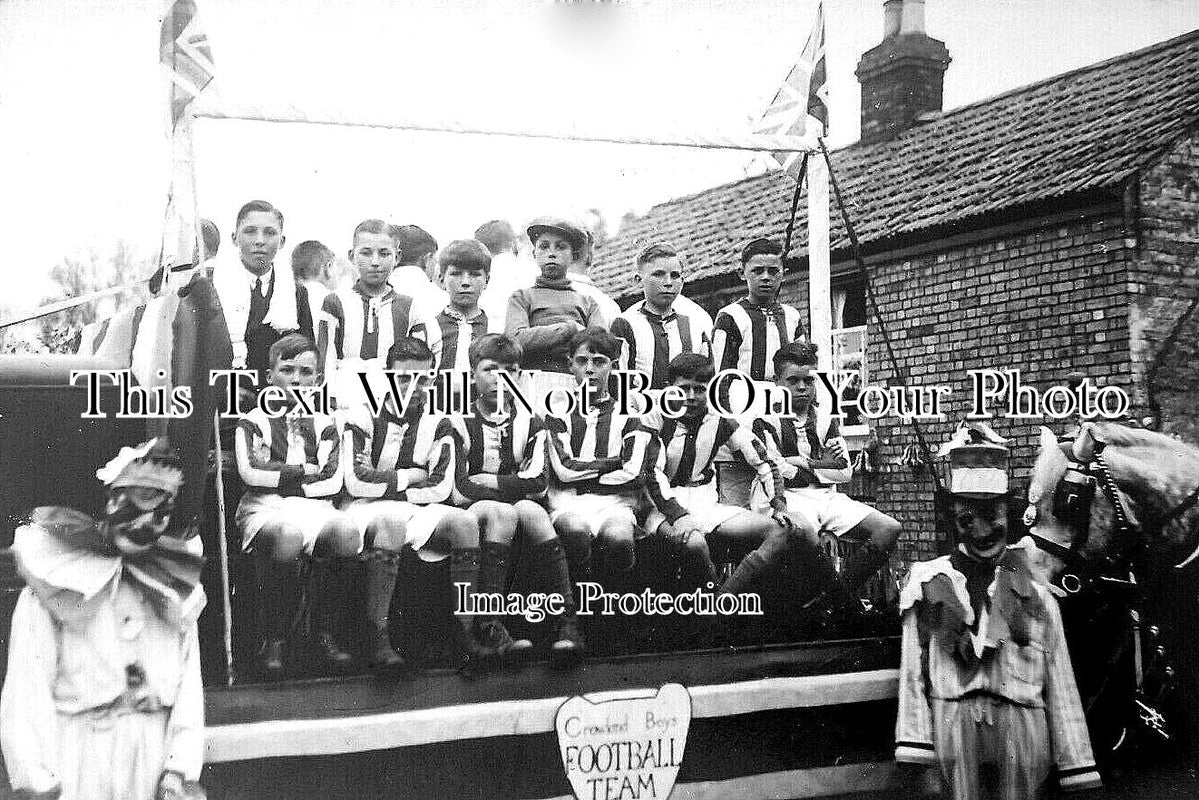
(502, 476)
(358, 324)
(679, 476)
(596, 465)
(812, 467)
(750, 331)
(400, 468)
(660, 327)
(465, 270)
(291, 467)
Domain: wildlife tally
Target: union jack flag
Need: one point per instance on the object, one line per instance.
(803, 94)
(184, 51)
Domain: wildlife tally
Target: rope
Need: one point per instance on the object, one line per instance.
(856, 249)
(715, 141)
(803, 171)
(69, 303)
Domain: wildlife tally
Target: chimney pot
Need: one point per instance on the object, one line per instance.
(903, 76)
(913, 17)
(892, 13)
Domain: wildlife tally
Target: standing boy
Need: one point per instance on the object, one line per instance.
(465, 270)
(596, 465)
(360, 323)
(310, 264)
(679, 476)
(812, 466)
(653, 329)
(502, 475)
(260, 303)
(400, 471)
(416, 265)
(542, 320)
(750, 331)
(292, 470)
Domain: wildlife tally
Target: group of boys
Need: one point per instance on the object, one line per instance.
(567, 496)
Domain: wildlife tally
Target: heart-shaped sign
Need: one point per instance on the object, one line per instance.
(628, 748)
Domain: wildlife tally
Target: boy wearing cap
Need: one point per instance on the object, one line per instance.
(986, 689)
(102, 697)
(660, 327)
(542, 319)
(750, 331)
(465, 270)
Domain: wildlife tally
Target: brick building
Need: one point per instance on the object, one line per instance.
(1054, 228)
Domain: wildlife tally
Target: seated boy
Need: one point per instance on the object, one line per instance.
(664, 324)
(465, 270)
(291, 469)
(400, 469)
(811, 467)
(679, 476)
(358, 324)
(502, 475)
(595, 466)
(542, 319)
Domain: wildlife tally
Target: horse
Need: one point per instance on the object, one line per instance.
(1115, 516)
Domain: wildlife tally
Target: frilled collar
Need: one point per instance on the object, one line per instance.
(67, 562)
(939, 591)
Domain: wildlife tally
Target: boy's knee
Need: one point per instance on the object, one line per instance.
(460, 527)
(281, 542)
(341, 537)
(386, 533)
(887, 532)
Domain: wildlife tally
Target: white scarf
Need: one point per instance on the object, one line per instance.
(233, 289)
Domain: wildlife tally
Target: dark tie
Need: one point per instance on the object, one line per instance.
(258, 306)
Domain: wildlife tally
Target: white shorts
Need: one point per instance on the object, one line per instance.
(702, 503)
(310, 515)
(826, 509)
(419, 521)
(595, 509)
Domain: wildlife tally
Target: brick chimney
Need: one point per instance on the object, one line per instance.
(903, 77)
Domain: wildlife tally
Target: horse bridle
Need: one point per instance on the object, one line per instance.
(1072, 500)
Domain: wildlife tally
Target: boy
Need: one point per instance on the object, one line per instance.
(310, 263)
(360, 323)
(595, 464)
(811, 467)
(541, 320)
(502, 477)
(416, 265)
(400, 470)
(292, 470)
(260, 303)
(678, 473)
(465, 270)
(986, 689)
(656, 328)
(748, 332)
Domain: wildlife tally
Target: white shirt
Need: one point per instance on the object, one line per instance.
(427, 298)
(509, 273)
(582, 284)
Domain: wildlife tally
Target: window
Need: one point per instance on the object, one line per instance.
(849, 346)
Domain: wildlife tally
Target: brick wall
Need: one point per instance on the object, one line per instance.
(1163, 280)
(1047, 300)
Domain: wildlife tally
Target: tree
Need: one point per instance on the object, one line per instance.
(80, 276)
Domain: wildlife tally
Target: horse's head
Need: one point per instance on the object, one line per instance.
(1151, 475)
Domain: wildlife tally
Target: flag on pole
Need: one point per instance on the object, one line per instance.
(184, 51)
(186, 60)
(802, 99)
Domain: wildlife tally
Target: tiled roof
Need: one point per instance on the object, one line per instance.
(1083, 130)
